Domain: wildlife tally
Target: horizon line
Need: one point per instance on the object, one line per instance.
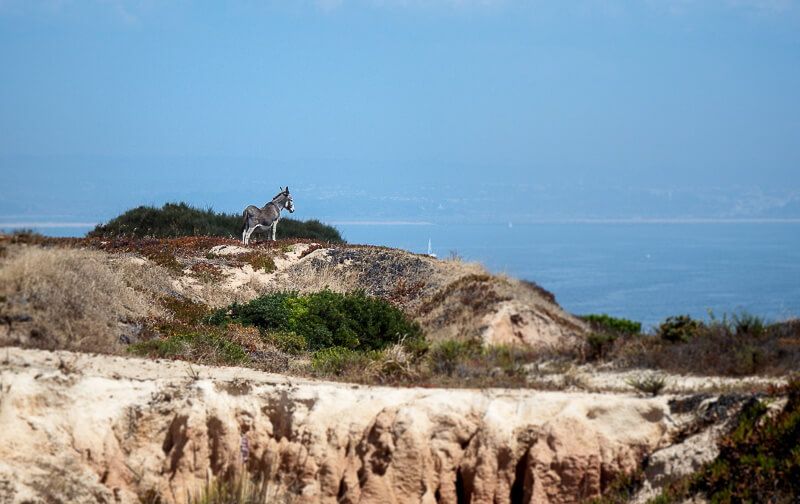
(698, 220)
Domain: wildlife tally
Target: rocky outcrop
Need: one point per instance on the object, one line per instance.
(449, 298)
(81, 428)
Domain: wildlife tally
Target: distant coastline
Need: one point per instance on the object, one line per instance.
(699, 220)
(11, 225)
(28, 225)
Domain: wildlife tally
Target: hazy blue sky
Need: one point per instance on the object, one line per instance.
(380, 96)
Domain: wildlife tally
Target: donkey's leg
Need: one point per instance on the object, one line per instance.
(249, 232)
(255, 228)
(274, 229)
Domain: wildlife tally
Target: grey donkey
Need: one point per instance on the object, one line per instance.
(266, 217)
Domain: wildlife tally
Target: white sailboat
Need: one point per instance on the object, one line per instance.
(430, 250)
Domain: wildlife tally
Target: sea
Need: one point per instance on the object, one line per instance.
(645, 271)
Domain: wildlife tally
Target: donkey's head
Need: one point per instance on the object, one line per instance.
(288, 203)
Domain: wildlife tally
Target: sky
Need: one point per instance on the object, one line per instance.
(402, 109)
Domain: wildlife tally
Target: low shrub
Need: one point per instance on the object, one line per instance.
(397, 363)
(651, 384)
(510, 360)
(259, 261)
(339, 360)
(287, 341)
(679, 329)
(326, 319)
(394, 364)
(599, 345)
(719, 347)
(760, 460)
(193, 346)
(311, 229)
(446, 356)
(206, 272)
(622, 489)
(748, 324)
(242, 488)
(607, 323)
(184, 310)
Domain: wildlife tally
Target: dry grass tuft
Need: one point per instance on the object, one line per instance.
(74, 298)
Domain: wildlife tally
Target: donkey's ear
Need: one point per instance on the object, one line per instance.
(287, 189)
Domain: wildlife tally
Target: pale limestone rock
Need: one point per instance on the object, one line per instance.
(124, 427)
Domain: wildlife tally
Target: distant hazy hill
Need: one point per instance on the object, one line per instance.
(180, 219)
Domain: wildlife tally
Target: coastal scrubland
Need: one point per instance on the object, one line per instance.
(377, 316)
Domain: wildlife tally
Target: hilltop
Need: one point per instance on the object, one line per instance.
(174, 220)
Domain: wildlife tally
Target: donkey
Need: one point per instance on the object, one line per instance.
(266, 217)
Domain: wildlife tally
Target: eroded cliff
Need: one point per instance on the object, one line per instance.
(88, 428)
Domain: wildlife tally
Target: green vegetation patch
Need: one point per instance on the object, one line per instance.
(339, 361)
(760, 460)
(679, 328)
(604, 322)
(180, 219)
(185, 311)
(325, 319)
(600, 345)
(193, 346)
(451, 356)
(470, 362)
(259, 261)
(606, 330)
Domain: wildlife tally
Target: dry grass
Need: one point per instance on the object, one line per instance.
(403, 277)
(74, 298)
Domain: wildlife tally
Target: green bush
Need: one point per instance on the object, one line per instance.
(603, 322)
(327, 319)
(288, 341)
(311, 229)
(679, 328)
(179, 219)
(599, 345)
(268, 312)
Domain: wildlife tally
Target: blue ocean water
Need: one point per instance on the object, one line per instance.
(642, 271)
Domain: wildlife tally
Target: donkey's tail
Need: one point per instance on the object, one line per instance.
(244, 222)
